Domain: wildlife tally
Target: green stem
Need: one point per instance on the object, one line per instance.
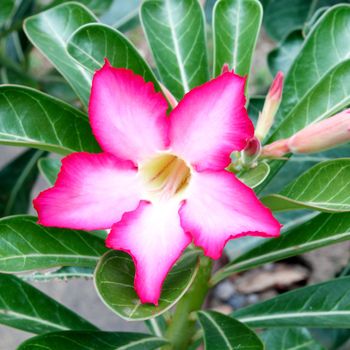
(182, 326)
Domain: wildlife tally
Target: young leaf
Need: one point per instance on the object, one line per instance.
(25, 307)
(225, 333)
(49, 32)
(114, 281)
(92, 43)
(93, 340)
(325, 187)
(31, 118)
(16, 182)
(236, 28)
(289, 339)
(255, 176)
(282, 57)
(323, 230)
(49, 169)
(26, 245)
(321, 305)
(176, 35)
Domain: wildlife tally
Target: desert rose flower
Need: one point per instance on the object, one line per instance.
(272, 102)
(160, 182)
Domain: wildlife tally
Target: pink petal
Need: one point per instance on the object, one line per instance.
(92, 192)
(211, 122)
(152, 235)
(219, 207)
(128, 118)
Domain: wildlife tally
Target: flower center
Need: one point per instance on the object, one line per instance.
(165, 176)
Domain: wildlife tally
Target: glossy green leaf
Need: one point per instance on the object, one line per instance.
(325, 187)
(50, 30)
(236, 28)
(49, 168)
(289, 339)
(285, 16)
(225, 333)
(328, 96)
(317, 83)
(31, 118)
(7, 8)
(282, 57)
(324, 305)
(114, 281)
(16, 182)
(93, 340)
(323, 230)
(26, 245)
(91, 44)
(176, 35)
(25, 307)
(255, 176)
(63, 273)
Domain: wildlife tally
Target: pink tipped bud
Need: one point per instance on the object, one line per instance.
(276, 149)
(323, 135)
(272, 102)
(252, 151)
(169, 96)
(225, 68)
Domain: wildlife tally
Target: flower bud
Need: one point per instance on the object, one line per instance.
(169, 96)
(272, 102)
(251, 152)
(323, 135)
(276, 149)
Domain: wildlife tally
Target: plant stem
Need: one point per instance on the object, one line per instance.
(182, 326)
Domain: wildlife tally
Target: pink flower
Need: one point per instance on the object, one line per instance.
(160, 182)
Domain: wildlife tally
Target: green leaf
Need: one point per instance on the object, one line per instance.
(236, 28)
(31, 118)
(284, 16)
(325, 187)
(25, 307)
(91, 44)
(317, 83)
(50, 30)
(324, 305)
(16, 182)
(114, 281)
(323, 230)
(96, 6)
(328, 96)
(289, 339)
(225, 333)
(64, 273)
(176, 35)
(7, 8)
(49, 169)
(282, 57)
(26, 245)
(255, 176)
(93, 340)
